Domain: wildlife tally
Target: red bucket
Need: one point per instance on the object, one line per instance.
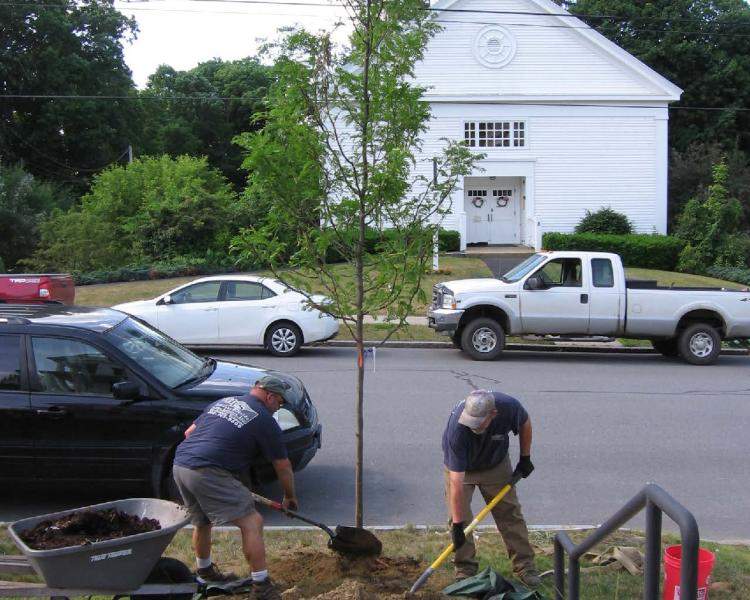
(672, 559)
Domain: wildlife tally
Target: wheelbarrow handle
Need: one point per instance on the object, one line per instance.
(467, 531)
(291, 513)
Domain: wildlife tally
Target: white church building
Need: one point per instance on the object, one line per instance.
(568, 121)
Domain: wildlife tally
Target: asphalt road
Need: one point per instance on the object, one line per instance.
(603, 426)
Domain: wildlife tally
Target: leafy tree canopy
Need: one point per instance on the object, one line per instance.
(25, 202)
(155, 209)
(65, 47)
(205, 123)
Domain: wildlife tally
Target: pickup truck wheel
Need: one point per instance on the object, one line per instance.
(666, 347)
(483, 339)
(700, 344)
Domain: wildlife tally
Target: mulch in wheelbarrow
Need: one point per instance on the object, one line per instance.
(86, 527)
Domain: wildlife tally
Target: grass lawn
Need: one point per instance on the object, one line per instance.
(299, 559)
(108, 294)
(668, 278)
(375, 332)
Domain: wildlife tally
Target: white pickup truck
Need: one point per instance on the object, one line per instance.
(586, 294)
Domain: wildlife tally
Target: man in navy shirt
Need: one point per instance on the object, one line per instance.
(217, 451)
(475, 451)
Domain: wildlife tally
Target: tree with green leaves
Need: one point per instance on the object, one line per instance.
(199, 112)
(336, 165)
(65, 48)
(156, 209)
(25, 202)
(710, 228)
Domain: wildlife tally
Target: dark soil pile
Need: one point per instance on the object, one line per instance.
(326, 575)
(86, 527)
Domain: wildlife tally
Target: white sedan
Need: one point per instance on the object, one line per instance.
(237, 310)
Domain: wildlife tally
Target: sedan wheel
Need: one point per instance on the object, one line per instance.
(283, 339)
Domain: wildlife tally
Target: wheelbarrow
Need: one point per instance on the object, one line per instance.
(126, 566)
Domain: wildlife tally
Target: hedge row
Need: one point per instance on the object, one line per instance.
(646, 251)
(143, 273)
(737, 274)
(448, 241)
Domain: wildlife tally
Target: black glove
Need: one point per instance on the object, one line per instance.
(524, 467)
(457, 535)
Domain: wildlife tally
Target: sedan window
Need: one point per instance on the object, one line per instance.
(207, 291)
(165, 359)
(243, 290)
(65, 366)
(10, 362)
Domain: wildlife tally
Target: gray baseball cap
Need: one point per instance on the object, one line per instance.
(275, 385)
(479, 404)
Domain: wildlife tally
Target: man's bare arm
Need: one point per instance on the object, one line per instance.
(524, 438)
(285, 474)
(456, 495)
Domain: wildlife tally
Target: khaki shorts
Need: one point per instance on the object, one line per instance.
(212, 496)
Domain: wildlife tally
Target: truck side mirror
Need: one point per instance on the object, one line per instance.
(126, 390)
(534, 283)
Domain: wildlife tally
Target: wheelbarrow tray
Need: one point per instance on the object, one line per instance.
(119, 564)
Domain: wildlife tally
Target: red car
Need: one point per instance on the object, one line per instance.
(27, 289)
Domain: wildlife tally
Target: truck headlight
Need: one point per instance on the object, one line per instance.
(286, 419)
(449, 301)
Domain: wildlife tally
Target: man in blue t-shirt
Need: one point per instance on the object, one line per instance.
(475, 454)
(218, 449)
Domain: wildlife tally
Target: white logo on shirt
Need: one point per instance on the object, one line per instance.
(234, 410)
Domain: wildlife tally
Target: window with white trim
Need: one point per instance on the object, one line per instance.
(495, 134)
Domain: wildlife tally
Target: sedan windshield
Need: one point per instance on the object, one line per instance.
(172, 364)
(520, 271)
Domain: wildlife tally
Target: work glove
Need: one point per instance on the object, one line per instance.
(290, 504)
(457, 535)
(524, 467)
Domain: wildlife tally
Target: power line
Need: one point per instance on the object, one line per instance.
(240, 98)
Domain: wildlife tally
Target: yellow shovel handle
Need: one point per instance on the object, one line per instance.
(467, 531)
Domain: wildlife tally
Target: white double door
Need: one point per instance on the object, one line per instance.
(492, 211)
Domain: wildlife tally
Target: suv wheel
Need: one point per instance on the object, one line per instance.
(699, 344)
(283, 339)
(483, 339)
(666, 347)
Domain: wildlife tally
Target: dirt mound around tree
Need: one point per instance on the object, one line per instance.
(86, 527)
(324, 575)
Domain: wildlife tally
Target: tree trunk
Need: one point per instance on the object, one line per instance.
(358, 476)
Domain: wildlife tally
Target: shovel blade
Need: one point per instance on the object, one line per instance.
(355, 541)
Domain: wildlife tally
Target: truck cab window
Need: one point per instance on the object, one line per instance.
(602, 273)
(561, 272)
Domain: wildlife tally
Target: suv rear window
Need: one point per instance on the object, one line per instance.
(10, 362)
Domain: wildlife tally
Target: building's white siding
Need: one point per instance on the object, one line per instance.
(549, 61)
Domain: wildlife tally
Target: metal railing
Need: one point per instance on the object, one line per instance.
(656, 501)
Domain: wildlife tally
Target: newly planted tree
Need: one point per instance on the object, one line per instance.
(346, 208)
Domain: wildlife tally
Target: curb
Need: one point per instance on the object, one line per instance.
(520, 347)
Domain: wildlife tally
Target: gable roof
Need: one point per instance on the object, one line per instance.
(664, 89)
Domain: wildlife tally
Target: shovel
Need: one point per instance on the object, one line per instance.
(353, 541)
(467, 531)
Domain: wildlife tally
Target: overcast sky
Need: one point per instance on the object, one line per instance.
(183, 33)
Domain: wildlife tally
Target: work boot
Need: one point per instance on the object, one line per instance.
(266, 590)
(463, 573)
(212, 574)
(530, 578)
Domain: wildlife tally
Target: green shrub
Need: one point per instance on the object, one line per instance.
(646, 251)
(738, 274)
(179, 267)
(448, 241)
(2, 265)
(605, 220)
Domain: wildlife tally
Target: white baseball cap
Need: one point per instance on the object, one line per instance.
(478, 406)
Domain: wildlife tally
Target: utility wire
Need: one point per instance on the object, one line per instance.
(240, 98)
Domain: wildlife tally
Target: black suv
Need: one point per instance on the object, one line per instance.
(94, 395)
